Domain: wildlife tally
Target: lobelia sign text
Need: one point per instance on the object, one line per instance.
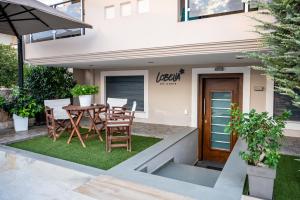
(169, 79)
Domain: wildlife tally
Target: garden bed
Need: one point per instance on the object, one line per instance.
(93, 155)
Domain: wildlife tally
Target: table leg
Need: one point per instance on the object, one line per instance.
(93, 125)
(75, 128)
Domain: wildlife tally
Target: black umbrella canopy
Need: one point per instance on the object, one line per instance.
(22, 17)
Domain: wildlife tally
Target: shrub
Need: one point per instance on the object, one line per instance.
(8, 66)
(49, 83)
(262, 134)
(2, 102)
(79, 90)
(23, 105)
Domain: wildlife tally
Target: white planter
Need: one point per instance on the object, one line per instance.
(85, 100)
(261, 181)
(20, 123)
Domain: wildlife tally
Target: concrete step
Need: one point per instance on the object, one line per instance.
(189, 173)
(110, 188)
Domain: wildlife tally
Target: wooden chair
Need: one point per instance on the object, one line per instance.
(116, 104)
(118, 128)
(57, 118)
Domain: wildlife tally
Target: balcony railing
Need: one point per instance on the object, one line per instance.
(73, 8)
(198, 9)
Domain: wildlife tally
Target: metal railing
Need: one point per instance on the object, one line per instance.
(73, 8)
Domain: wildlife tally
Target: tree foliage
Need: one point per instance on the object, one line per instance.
(49, 83)
(8, 66)
(282, 39)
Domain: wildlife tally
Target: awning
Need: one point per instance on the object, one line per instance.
(22, 17)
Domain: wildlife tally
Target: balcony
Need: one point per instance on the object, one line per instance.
(70, 7)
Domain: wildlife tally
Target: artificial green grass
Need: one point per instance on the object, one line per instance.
(93, 155)
(287, 182)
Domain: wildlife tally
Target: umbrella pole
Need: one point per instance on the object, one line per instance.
(20, 62)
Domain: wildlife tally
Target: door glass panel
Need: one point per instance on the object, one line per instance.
(220, 145)
(217, 103)
(221, 112)
(220, 109)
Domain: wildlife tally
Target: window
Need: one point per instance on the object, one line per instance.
(282, 102)
(129, 84)
(143, 6)
(198, 9)
(126, 87)
(125, 9)
(109, 12)
(211, 7)
(72, 8)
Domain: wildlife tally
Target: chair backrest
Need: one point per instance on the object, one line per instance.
(57, 106)
(115, 102)
(134, 104)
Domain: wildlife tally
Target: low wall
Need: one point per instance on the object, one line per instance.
(5, 120)
(184, 151)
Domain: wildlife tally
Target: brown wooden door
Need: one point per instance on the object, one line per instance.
(218, 96)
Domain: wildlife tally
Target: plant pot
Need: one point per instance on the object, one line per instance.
(20, 123)
(85, 100)
(261, 181)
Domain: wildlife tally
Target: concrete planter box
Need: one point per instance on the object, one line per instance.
(261, 181)
(85, 100)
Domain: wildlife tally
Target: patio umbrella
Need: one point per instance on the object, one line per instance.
(22, 17)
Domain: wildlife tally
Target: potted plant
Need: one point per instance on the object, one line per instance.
(262, 135)
(22, 107)
(84, 92)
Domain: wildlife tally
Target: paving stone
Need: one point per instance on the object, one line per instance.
(291, 146)
(9, 135)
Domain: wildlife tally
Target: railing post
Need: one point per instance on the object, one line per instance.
(246, 2)
(20, 62)
(186, 10)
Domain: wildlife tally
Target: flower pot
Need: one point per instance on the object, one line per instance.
(20, 123)
(85, 100)
(261, 181)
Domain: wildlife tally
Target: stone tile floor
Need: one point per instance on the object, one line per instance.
(291, 146)
(9, 135)
(157, 130)
(26, 178)
(151, 130)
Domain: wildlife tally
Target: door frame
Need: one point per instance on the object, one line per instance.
(246, 71)
(200, 103)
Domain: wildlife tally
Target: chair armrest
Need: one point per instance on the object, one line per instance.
(119, 107)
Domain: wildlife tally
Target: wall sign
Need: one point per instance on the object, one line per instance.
(169, 79)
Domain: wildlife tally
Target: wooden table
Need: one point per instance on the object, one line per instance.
(76, 113)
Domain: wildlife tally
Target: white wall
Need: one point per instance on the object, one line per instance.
(155, 29)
